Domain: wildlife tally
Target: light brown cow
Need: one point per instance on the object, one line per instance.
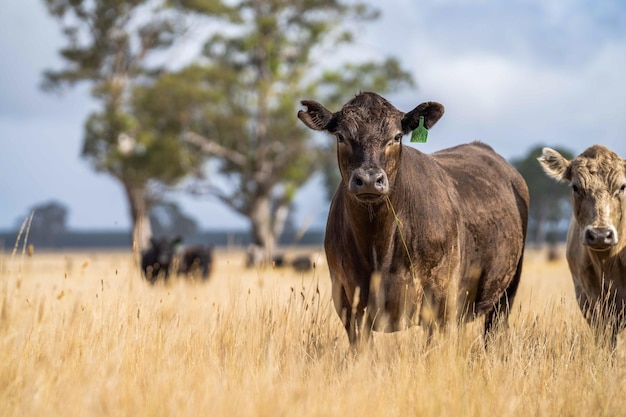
(416, 238)
(596, 239)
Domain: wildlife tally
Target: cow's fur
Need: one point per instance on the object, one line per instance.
(156, 260)
(416, 238)
(196, 261)
(596, 240)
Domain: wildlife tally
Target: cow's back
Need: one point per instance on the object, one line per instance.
(493, 200)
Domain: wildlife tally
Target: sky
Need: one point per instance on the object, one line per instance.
(513, 74)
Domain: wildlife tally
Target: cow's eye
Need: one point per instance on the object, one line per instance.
(622, 189)
(575, 189)
(340, 138)
(398, 137)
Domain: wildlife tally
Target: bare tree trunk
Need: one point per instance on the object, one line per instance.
(139, 206)
(280, 215)
(263, 237)
(267, 223)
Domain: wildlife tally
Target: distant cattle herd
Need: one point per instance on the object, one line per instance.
(166, 256)
(169, 256)
(438, 239)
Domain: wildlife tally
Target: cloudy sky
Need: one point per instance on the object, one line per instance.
(513, 74)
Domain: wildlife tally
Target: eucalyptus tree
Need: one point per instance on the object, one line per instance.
(115, 46)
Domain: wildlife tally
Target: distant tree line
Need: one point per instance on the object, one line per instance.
(44, 222)
(550, 207)
(112, 239)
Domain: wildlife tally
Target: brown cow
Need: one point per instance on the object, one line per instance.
(415, 238)
(596, 239)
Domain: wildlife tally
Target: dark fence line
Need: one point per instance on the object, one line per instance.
(122, 239)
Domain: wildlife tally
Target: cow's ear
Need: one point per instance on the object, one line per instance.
(555, 165)
(316, 116)
(431, 111)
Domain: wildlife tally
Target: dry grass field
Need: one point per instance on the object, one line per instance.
(82, 334)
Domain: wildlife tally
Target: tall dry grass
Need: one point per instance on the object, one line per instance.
(82, 334)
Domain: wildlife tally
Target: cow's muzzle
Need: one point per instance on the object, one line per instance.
(369, 185)
(600, 238)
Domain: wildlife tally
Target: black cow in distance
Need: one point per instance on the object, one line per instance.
(166, 255)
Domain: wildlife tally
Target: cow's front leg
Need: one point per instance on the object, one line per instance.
(351, 310)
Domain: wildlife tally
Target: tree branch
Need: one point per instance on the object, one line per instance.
(199, 189)
(213, 148)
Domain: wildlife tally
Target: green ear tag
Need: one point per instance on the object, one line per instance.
(420, 134)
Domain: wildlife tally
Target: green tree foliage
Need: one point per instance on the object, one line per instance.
(109, 43)
(246, 92)
(549, 201)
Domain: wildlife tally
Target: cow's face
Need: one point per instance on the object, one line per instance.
(597, 178)
(369, 132)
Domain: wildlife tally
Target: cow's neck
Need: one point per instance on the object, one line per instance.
(380, 226)
(608, 264)
(373, 224)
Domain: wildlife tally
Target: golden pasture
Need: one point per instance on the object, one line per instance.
(81, 334)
